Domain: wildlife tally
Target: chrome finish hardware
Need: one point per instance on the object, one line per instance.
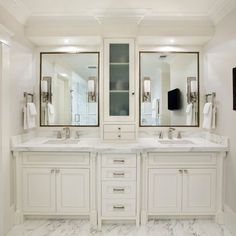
(119, 207)
(118, 189)
(119, 128)
(186, 171)
(170, 133)
(118, 161)
(119, 136)
(59, 135)
(181, 171)
(77, 134)
(160, 136)
(179, 135)
(52, 171)
(119, 174)
(133, 93)
(67, 132)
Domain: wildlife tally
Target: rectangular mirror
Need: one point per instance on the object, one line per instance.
(69, 85)
(169, 89)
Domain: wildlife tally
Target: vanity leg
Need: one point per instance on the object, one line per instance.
(93, 218)
(143, 218)
(99, 225)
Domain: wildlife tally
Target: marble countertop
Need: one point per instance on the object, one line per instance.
(141, 145)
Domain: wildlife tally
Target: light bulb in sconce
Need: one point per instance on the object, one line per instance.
(146, 89)
(193, 86)
(44, 86)
(91, 89)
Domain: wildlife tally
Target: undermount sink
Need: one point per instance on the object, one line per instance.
(62, 141)
(175, 141)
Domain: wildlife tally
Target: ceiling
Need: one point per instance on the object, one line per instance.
(99, 9)
(79, 22)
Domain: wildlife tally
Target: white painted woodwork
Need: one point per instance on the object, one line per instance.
(118, 160)
(118, 207)
(121, 174)
(164, 191)
(72, 190)
(119, 128)
(131, 116)
(119, 136)
(39, 190)
(199, 190)
(118, 189)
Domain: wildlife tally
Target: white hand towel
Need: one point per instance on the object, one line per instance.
(25, 118)
(50, 114)
(32, 109)
(29, 120)
(189, 112)
(207, 116)
(155, 108)
(214, 110)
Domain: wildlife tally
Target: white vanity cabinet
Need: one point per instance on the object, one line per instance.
(119, 90)
(56, 183)
(119, 181)
(181, 184)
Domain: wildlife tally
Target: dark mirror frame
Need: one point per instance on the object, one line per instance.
(98, 89)
(198, 83)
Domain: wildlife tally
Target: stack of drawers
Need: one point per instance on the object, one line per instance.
(119, 185)
(119, 132)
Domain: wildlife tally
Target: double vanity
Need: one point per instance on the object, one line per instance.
(132, 181)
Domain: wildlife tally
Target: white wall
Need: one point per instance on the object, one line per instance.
(20, 78)
(219, 59)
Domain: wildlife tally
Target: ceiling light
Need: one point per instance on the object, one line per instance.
(63, 75)
(172, 41)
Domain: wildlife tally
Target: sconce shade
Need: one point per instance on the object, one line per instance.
(193, 86)
(44, 86)
(91, 86)
(147, 85)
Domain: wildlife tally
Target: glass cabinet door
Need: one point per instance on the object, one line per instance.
(119, 79)
(119, 96)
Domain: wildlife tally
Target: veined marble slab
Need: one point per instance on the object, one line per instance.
(152, 228)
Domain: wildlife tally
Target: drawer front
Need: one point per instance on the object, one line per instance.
(181, 159)
(119, 136)
(118, 189)
(65, 158)
(119, 160)
(118, 207)
(119, 174)
(119, 128)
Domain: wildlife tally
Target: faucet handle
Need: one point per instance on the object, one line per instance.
(160, 135)
(77, 134)
(179, 135)
(59, 134)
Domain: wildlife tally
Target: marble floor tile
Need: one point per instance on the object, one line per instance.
(152, 228)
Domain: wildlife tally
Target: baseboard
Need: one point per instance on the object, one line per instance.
(230, 219)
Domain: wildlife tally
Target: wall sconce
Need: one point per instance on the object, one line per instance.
(192, 89)
(46, 89)
(92, 89)
(146, 89)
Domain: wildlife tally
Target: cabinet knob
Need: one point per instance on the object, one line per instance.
(186, 171)
(181, 171)
(52, 171)
(119, 136)
(133, 93)
(119, 128)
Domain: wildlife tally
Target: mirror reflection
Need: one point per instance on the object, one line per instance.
(169, 88)
(69, 89)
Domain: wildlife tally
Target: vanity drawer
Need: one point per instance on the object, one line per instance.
(118, 207)
(118, 189)
(119, 174)
(119, 160)
(119, 128)
(181, 159)
(65, 158)
(119, 136)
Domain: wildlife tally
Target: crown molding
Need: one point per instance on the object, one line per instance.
(5, 35)
(17, 9)
(220, 9)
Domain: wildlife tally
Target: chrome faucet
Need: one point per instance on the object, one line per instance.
(67, 132)
(170, 133)
(160, 136)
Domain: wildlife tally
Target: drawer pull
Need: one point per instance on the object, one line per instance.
(118, 189)
(119, 128)
(186, 171)
(119, 174)
(118, 207)
(118, 161)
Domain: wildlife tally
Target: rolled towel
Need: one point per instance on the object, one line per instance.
(51, 109)
(207, 116)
